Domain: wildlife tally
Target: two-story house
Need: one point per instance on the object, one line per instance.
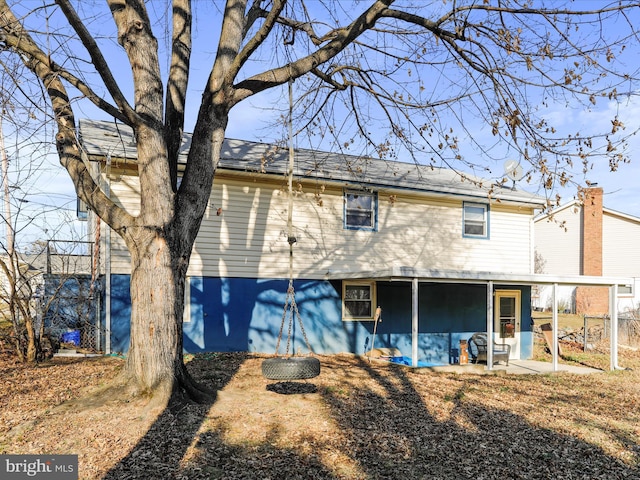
(442, 255)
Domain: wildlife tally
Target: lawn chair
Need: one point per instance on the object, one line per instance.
(478, 349)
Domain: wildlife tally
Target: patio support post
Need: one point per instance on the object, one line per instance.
(554, 328)
(414, 322)
(490, 324)
(613, 313)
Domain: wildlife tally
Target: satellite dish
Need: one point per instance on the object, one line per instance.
(513, 170)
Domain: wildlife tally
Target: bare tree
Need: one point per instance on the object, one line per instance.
(27, 288)
(17, 279)
(426, 71)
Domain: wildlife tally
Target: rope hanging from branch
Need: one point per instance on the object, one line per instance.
(291, 368)
(290, 311)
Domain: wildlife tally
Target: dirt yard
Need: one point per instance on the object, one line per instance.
(357, 420)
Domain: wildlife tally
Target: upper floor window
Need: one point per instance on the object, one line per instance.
(360, 210)
(475, 220)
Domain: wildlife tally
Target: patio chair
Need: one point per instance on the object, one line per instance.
(478, 349)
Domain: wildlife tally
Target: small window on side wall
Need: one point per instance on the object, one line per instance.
(82, 211)
(360, 210)
(625, 290)
(358, 300)
(475, 220)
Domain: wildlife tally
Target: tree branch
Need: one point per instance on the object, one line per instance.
(304, 65)
(97, 59)
(24, 44)
(257, 40)
(177, 83)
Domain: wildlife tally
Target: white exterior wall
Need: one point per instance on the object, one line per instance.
(125, 191)
(620, 252)
(560, 244)
(249, 238)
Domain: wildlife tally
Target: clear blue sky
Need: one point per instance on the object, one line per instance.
(251, 121)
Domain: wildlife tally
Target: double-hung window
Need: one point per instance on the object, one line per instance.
(358, 300)
(360, 210)
(475, 220)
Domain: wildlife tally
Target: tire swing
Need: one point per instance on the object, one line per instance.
(289, 367)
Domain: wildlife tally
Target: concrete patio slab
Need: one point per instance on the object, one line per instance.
(516, 367)
(519, 367)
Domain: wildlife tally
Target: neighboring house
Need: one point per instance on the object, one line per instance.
(589, 239)
(440, 255)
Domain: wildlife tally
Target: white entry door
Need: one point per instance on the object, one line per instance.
(507, 319)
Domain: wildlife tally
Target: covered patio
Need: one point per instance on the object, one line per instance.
(417, 276)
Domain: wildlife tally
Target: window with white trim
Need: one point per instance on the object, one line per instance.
(358, 300)
(360, 210)
(625, 290)
(475, 220)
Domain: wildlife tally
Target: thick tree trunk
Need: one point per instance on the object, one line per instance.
(155, 363)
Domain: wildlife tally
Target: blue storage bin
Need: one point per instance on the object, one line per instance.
(72, 336)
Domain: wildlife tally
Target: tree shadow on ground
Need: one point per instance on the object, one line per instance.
(403, 439)
(159, 453)
(389, 423)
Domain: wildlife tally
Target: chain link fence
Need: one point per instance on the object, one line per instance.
(596, 330)
(599, 330)
(72, 297)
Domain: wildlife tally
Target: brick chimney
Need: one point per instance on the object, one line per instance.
(592, 232)
(592, 300)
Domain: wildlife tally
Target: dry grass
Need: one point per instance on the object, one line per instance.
(357, 420)
(565, 320)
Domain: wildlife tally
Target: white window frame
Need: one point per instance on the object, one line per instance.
(629, 293)
(373, 212)
(346, 315)
(475, 222)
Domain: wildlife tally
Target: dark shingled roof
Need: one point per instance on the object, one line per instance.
(102, 138)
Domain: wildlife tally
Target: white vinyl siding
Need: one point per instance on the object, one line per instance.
(620, 252)
(125, 192)
(560, 244)
(249, 238)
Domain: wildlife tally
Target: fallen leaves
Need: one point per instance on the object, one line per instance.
(357, 420)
